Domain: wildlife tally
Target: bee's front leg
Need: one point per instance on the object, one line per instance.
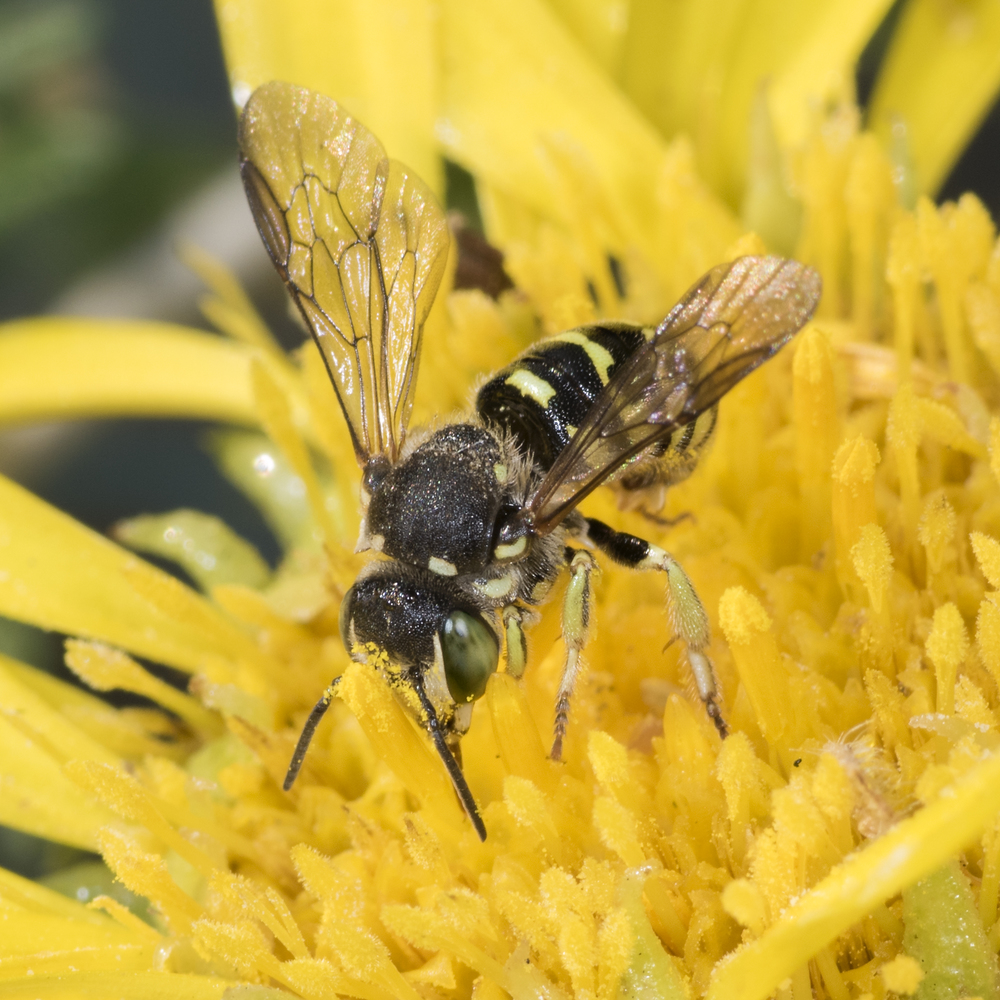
(687, 613)
(517, 646)
(576, 628)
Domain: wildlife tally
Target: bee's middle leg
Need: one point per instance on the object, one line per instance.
(576, 618)
(687, 613)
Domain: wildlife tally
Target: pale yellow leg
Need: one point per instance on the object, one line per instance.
(576, 629)
(517, 646)
(690, 624)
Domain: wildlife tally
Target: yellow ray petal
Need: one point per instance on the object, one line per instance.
(39, 799)
(43, 723)
(138, 985)
(386, 725)
(22, 893)
(513, 77)
(939, 78)
(599, 26)
(131, 733)
(377, 57)
(59, 575)
(56, 367)
(822, 67)
(53, 945)
(512, 73)
(35, 794)
(695, 67)
(106, 669)
(912, 849)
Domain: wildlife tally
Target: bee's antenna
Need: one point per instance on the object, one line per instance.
(454, 771)
(308, 730)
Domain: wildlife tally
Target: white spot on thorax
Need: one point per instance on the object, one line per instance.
(495, 589)
(441, 566)
(511, 551)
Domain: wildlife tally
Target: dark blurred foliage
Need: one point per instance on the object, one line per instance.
(110, 111)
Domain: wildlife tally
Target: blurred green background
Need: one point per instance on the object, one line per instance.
(111, 111)
(117, 142)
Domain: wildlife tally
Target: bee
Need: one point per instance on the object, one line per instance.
(471, 523)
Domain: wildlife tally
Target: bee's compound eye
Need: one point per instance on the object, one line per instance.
(471, 653)
(344, 621)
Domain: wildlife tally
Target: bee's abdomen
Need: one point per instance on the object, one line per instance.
(543, 396)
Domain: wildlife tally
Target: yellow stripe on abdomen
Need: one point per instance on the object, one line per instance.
(532, 386)
(600, 357)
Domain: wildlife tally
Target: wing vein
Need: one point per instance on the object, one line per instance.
(730, 321)
(307, 165)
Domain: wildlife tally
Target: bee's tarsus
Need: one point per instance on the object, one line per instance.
(559, 730)
(715, 714)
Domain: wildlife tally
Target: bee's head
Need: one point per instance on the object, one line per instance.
(437, 508)
(424, 626)
(436, 650)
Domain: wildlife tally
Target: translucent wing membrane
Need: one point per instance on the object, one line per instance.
(361, 243)
(731, 321)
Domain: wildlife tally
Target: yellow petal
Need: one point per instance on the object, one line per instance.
(513, 76)
(599, 26)
(105, 669)
(44, 723)
(939, 79)
(912, 849)
(52, 945)
(822, 63)
(55, 367)
(398, 744)
(208, 550)
(695, 67)
(228, 307)
(59, 575)
(135, 985)
(32, 897)
(35, 794)
(127, 732)
(377, 57)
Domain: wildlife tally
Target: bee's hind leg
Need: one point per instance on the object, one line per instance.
(576, 628)
(686, 610)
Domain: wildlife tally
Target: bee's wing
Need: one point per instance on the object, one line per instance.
(732, 320)
(360, 242)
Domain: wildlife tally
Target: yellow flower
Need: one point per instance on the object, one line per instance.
(845, 538)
